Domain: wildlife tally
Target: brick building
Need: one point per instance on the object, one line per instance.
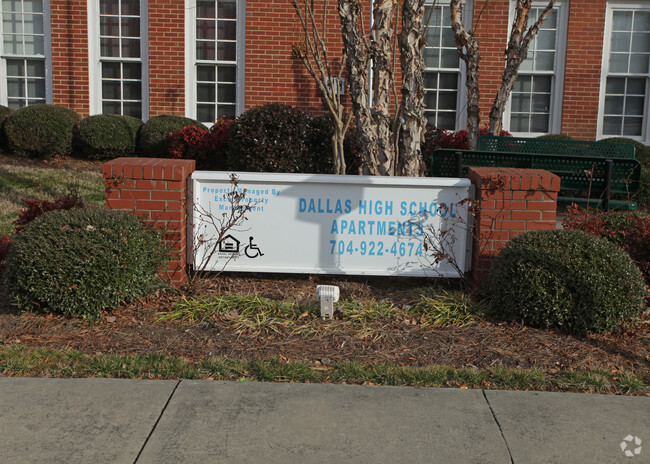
(587, 73)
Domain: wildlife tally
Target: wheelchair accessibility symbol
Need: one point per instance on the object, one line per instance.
(252, 250)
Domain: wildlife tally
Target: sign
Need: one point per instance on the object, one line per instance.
(314, 223)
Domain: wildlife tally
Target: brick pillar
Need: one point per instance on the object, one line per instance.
(155, 190)
(510, 201)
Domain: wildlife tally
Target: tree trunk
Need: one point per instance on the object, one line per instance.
(411, 117)
(381, 37)
(469, 51)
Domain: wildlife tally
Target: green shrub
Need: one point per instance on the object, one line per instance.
(4, 112)
(269, 138)
(556, 137)
(320, 156)
(153, 137)
(40, 131)
(566, 279)
(79, 262)
(106, 136)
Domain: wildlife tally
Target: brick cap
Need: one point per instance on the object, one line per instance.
(496, 178)
(148, 168)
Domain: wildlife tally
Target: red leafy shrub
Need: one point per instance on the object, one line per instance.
(630, 231)
(207, 147)
(37, 207)
(5, 243)
(458, 140)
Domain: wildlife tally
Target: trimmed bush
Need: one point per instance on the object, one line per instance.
(320, 157)
(269, 138)
(4, 112)
(106, 136)
(153, 137)
(565, 279)
(556, 137)
(40, 131)
(79, 262)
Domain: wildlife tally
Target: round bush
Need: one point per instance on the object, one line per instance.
(4, 112)
(154, 134)
(566, 279)
(40, 131)
(106, 136)
(79, 262)
(269, 138)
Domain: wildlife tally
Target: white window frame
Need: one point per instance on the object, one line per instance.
(191, 59)
(461, 100)
(645, 134)
(557, 75)
(94, 58)
(47, 57)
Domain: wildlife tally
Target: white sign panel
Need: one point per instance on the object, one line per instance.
(308, 223)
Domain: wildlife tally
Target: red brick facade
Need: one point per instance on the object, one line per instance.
(272, 74)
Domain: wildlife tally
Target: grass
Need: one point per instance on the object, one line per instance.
(253, 314)
(18, 182)
(41, 362)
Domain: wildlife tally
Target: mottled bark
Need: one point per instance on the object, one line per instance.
(411, 116)
(469, 51)
(516, 52)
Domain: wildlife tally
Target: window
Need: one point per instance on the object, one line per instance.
(443, 77)
(535, 104)
(117, 53)
(25, 53)
(214, 59)
(626, 65)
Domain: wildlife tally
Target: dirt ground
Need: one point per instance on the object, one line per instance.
(134, 329)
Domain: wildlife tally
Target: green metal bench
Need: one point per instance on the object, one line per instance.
(607, 150)
(598, 176)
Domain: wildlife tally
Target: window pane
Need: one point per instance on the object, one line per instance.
(544, 61)
(36, 88)
(205, 113)
(11, 24)
(639, 64)
(206, 73)
(551, 20)
(111, 70)
(642, 21)
(31, 6)
(12, 45)
(109, 25)
(539, 123)
(15, 104)
(227, 74)
(519, 123)
(227, 111)
(132, 109)
(226, 93)
(111, 107)
(15, 68)
(35, 68)
(632, 127)
(641, 42)
(131, 7)
(15, 88)
(205, 93)
(542, 84)
(615, 85)
(205, 51)
(523, 84)
(622, 20)
(447, 101)
(621, 41)
(109, 47)
(430, 99)
(132, 71)
(618, 62)
(541, 103)
(205, 9)
(545, 40)
(614, 105)
(226, 51)
(226, 30)
(520, 103)
(612, 125)
(111, 7)
(130, 27)
(33, 24)
(34, 45)
(205, 29)
(431, 57)
(636, 86)
(634, 106)
(449, 58)
(131, 48)
(433, 36)
(132, 90)
(448, 39)
(430, 80)
(447, 121)
(449, 81)
(226, 9)
(111, 90)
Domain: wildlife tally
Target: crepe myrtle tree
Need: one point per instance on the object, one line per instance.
(469, 51)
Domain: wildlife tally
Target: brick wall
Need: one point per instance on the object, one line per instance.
(70, 55)
(509, 202)
(155, 190)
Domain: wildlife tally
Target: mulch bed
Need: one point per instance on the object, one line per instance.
(133, 329)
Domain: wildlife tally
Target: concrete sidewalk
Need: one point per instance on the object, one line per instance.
(128, 421)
